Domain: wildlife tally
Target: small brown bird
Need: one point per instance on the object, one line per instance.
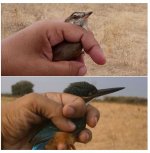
(66, 51)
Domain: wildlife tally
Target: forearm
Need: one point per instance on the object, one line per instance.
(4, 59)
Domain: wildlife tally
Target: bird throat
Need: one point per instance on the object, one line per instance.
(81, 23)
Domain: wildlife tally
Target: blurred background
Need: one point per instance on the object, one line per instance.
(121, 30)
(123, 122)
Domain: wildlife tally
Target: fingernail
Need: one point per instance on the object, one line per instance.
(82, 71)
(86, 137)
(95, 121)
(71, 125)
(103, 59)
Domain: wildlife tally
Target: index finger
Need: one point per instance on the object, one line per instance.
(90, 44)
(92, 48)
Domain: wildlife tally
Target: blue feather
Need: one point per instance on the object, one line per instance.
(48, 132)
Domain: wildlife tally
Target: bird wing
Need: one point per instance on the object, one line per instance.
(41, 138)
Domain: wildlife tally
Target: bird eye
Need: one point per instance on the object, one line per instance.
(92, 92)
(75, 16)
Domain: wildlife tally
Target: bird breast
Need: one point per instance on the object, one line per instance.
(67, 51)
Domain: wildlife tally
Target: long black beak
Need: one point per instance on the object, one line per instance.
(102, 92)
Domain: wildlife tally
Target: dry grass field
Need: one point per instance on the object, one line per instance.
(121, 29)
(121, 127)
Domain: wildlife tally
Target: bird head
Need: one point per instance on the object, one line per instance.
(88, 91)
(79, 18)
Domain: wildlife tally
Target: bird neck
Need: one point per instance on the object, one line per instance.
(81, 23)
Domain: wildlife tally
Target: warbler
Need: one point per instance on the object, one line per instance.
(71, 50)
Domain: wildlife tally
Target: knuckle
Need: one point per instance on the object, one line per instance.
(29, 100)
(32, 96)
(72, 70)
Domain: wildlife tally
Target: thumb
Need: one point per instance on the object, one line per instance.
(68, 68)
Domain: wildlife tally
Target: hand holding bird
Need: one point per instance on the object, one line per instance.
(45, 121)
(41, 45)
(29, 113)
(71, 50)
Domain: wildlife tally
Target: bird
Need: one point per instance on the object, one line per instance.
(49, 136)
(66, 51)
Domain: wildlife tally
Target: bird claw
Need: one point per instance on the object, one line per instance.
(61, 141)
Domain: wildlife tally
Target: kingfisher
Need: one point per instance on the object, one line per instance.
(66, 51)
(49, 135)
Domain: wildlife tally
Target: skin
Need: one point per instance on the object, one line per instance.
(29, 51)
(22, 117)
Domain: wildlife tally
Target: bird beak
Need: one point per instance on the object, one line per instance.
(102, 92)
(87, 14)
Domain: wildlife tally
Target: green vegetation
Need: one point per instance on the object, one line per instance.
(21, 88)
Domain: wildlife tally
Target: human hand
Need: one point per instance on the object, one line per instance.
(29, 51)
(21, 118)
